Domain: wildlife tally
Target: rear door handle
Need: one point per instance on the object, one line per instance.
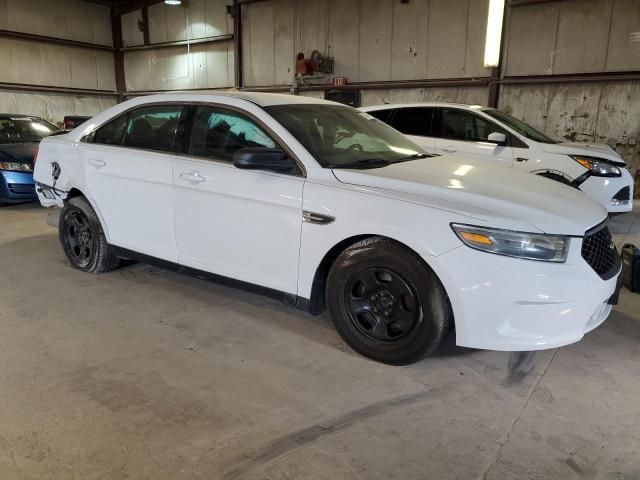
(449, 149)
(192, 177)
(96, 162)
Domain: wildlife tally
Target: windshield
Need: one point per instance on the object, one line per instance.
(24, 129)
(337, 136)
(519, 126)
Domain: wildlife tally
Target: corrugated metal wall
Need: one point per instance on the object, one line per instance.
(182, 67)
(370, 40)
(42, 63)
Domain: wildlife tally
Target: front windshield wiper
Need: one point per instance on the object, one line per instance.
(368, 163)
(415, 156)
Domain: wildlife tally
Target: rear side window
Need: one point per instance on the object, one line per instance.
(218, 133)
(382, 115)
(153, 128)
(414, 121)
(463, 125)
(111, 133)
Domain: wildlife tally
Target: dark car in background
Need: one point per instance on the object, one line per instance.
(72, 121)
(19, 139)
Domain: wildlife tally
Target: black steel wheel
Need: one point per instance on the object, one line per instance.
(83, 239)
(386, 303)
(78, 238)
(382, 304)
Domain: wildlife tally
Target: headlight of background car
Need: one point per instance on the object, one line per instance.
(598, 167)
(531, 246)
(16, 167)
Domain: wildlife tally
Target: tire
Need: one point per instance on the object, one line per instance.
(83, 240)
(556, 177)
(386, 303)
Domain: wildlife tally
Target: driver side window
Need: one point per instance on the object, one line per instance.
(463, 125)
(219, 133)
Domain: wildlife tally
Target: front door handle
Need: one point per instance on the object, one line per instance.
(449, 149)
(96, 162)
(522, 159)
(192, 177)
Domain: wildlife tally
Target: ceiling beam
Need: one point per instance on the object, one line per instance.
(127, 6)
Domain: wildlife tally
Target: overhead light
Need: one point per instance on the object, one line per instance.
(173, 2)
(494, 33)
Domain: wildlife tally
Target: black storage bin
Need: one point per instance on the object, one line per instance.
(631, 265)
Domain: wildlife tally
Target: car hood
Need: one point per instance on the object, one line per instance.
(600, 150)
(17, 152)
(500, 197)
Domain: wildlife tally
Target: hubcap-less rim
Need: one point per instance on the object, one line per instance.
(382, 305)
(79, 239)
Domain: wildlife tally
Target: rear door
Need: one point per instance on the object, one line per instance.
(465, 132)
(129, 173)
(241, 224)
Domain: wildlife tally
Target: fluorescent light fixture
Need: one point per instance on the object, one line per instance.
(173, 2)
(494, 33)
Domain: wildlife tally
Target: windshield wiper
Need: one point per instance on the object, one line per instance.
(415, 156)
(368, 163)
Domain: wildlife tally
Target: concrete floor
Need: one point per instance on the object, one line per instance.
(146, 374)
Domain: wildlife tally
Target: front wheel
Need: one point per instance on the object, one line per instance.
(83, 239)
(386, 303)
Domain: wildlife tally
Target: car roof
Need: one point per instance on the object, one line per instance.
(387, 106)
(258, 98)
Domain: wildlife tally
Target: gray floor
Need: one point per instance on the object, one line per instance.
(145, 374)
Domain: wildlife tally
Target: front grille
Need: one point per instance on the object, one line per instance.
(600, 252)
(22, 188)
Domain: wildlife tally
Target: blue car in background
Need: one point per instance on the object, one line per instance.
(19, 139)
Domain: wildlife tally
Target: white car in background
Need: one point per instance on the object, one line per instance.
(263, 191)
(491, 135)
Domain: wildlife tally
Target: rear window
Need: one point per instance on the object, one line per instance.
(24, 129)
(414, 121)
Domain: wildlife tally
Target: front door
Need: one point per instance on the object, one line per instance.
(466, 133)
(237, 223)
(129, 173)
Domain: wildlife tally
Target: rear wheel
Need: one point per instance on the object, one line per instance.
(83, 239)
(386, 303)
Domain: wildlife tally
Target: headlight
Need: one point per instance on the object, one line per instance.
(530, 246)
(16, 167)
(599, 167)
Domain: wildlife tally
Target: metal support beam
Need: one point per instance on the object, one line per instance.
(145, 26)
(572, 78)
(197, 41)
(237, 43)
(127, 6)
(58, 41)
(118, 56)
(28, 87)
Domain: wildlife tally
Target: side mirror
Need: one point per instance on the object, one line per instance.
(262, 158)
(498, 138)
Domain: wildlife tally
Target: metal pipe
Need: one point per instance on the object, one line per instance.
(118, 57)
(571, 78)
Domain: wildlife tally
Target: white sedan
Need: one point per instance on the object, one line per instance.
(264, 191)
(497, 138)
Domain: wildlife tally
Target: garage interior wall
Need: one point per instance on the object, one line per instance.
(46, 64)
(197, 65)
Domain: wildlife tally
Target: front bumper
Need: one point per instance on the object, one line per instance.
(16, 187)
(504, 303)
(614, 193)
